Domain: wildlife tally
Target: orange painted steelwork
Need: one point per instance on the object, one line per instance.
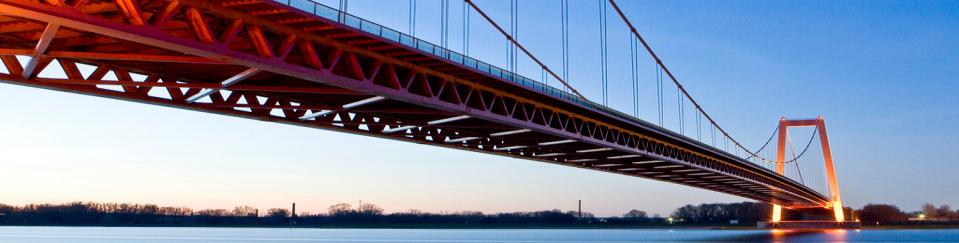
(820, 125)
(271, 61)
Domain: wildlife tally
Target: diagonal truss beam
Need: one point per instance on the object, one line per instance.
(42, 44)
(346, 65)
(225, 84)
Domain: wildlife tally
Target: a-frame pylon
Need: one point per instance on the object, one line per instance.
(820, 125)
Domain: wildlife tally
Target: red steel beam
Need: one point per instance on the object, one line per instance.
(378, 75)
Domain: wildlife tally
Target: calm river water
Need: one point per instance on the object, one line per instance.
(198, 235)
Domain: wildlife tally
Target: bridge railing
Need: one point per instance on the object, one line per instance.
(364, 25)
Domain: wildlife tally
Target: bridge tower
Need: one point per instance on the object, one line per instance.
(820, 125)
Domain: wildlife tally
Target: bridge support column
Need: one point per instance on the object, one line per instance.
(830, 171)
(820, 124)
(777, 213)
(780, 163)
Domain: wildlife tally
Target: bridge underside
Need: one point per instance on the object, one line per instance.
(268, 61)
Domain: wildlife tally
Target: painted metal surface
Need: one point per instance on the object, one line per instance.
(820, 124)
(280, 62)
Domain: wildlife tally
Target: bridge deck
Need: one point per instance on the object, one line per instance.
(306, 64)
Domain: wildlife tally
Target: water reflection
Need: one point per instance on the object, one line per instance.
(780, 235)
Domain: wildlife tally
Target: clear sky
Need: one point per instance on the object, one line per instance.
(884, 74)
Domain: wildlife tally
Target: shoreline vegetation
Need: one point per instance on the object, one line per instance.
(724, 216)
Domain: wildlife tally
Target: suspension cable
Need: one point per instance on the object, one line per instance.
(659, 94)
(634, 74)
(682, 119)
(636, 79)
(792, 150)
(515, 28)
(565, 19)
(412, 16)
(675, 81)
(512, 31)
(604, 55)
(343, 10)
(726, 143)
(343, 5)
(771, 136)
(661, 68)
(803, 152)
(713, 131)
(699, 126)
(509, 44)
(466, 30)
(542, 74)
(525, 51)
(445, 23)
(770, 139)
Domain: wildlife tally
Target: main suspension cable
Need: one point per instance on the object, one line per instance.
(675, 81)
(770, 139)
(808, 144)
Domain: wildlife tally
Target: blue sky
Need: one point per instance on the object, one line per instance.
(882, 73)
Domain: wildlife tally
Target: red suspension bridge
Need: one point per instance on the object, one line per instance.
(307, 64)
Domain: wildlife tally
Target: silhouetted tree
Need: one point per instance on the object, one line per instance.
(635, 214)
(278, 213)
(340, 209)
(370, 209)
(930, 210)
(942, 212)
(244, 211)
(722, 213)
(881, 213)
(945, 211)
(213, 212)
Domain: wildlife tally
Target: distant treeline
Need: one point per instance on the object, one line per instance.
(885, 214)
(369, 215)
(121, 214)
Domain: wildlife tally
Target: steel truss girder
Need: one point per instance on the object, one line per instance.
(271, 46)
